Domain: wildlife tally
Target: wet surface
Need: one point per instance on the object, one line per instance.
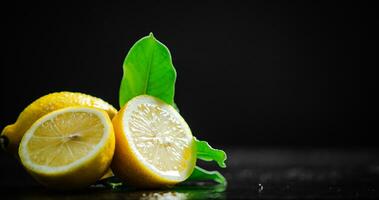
(251, 174)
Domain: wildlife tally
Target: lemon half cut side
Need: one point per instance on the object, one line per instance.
(12, 134)
(69, 148)
(155, 146)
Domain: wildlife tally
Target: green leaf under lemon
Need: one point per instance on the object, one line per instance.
(200, 174)
(148, 69)
(207, 153)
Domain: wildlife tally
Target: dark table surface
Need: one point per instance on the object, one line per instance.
(251, 174)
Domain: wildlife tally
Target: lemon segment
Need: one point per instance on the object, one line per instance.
(69, 148)
(154, 146)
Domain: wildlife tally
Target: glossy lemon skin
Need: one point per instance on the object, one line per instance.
(44, 105)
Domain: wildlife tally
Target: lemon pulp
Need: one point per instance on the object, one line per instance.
(65, 138)
(160, 138)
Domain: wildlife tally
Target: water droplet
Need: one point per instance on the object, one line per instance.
(260, 188)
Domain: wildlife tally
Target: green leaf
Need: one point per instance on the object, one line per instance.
(200, 174)
(207, 153)
(148, 69)
(112, 182)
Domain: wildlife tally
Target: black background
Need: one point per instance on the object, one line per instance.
(249, 74)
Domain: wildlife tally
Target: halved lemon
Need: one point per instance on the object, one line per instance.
(69, 148)
(154, 145)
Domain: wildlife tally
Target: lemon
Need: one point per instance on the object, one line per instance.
(68, 148)
(12, 134)
(155, 146)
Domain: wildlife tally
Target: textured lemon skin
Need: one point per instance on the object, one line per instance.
(129, 168)
(45, 105)
(82, 175)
